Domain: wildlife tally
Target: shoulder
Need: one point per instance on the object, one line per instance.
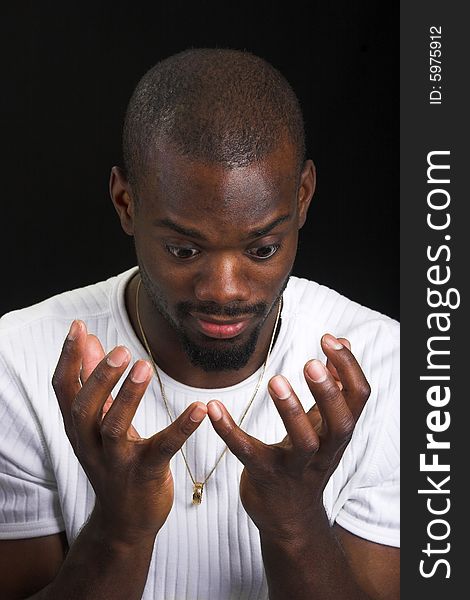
(90, 299)
(315, 309)
(31, 338)
(81, 303)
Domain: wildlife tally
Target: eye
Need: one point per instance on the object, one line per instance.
(182, 252)
(264, 252)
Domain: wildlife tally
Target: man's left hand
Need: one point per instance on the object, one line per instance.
(282, 484)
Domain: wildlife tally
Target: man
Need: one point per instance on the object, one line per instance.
(261, 458)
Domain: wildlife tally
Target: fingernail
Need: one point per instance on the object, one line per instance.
(117, 357)
(215, 411)
(74, 330)
(280, 387)
(332, 342)
(197, 414)
(140, 372)
(316, 371)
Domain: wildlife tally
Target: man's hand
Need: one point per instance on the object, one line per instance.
(282, 484)
(130, 475)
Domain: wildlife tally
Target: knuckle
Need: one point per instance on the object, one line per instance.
(78, 411)
(111, 430)
(126, 394)
(168, 447)
(296, 410)
(245, 449)
(330, 392)
(364, 389)
(187, 427)
(309, 446)
(102, 375)
(227, 430)
(348, 358)
(344, 428)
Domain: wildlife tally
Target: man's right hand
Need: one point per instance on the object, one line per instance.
(130, 475)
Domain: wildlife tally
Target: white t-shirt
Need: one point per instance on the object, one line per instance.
(211, 551)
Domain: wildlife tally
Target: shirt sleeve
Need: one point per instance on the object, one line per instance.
(372, 507)
(373, 513)
(29, 503)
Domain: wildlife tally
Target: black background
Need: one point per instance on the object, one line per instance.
(68, 70)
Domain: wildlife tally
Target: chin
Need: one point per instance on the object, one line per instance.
(221, 354)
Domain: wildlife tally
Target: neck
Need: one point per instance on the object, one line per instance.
(168, 353)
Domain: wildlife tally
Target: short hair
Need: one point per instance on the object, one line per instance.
(214, 105)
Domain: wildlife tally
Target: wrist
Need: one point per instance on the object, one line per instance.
(298, 531)
(118, 535)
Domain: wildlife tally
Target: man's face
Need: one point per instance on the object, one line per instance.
(215, 248)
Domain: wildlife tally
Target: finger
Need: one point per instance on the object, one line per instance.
(356, 389)
(116, 424)
(94, 354)
(331, 403)
(167, 442)
(65, 381)
(298, 426)
(250, 451)
(330, 366)
(87, 407)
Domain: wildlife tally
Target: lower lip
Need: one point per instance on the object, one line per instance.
(224, 332)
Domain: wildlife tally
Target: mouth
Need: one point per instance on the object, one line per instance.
(220, 328)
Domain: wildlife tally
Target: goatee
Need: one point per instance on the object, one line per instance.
(234, 355)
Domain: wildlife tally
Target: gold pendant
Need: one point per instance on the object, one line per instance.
(197, 493)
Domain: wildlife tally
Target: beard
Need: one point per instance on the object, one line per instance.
(221, 355)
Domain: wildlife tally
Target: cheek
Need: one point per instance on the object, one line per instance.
(165, 279)
(150, 255)
(287, 256)
(268, 281)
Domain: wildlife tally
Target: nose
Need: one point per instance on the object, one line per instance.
(222, 281)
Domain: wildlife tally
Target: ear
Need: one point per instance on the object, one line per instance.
(123, 201)
(306, 190)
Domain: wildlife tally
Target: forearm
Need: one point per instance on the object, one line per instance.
(101, 565)
(308, 563)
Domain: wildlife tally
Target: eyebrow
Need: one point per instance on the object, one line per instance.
(194, 233)
(269, 227)
(169, 224)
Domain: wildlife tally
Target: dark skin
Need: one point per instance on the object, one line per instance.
(224, 270)
(224, 262)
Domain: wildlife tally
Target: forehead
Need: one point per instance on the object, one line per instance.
(214, 195)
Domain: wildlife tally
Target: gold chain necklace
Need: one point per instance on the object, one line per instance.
(198, 486)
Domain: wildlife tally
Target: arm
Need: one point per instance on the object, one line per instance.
(29, 565)
(101, 565)
(376, 567)
(282, 487)
(96, 566)
(332, 562)
(130, 476)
